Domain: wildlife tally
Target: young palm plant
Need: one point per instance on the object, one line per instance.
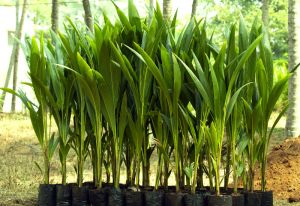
(39, 113)
(168, 78)
(140, 80)
(59, 96)
(140, 84)
(268, 95)
(78, 97)
(197, 131)
(113, 104)
(219, 98)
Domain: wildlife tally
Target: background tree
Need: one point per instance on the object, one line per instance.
(293, 115)
(16, 54)
(88, 18)
(14, 59)
(167, 9)
(194, 8)
(15, 72)
(265, 12)
(54, 15)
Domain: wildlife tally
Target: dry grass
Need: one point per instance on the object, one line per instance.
(19, 176)
(19, 149)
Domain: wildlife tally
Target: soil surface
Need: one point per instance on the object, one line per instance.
(283, 172)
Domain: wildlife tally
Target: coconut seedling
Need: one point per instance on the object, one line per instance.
(195, 111)
(76, 98)
(113, 104)
(59, 95)
(268, 94)
(160, 123)
(234, 124)
(198, 132)
(38, 72)
(161, 135)
(41, 127)
(94, 106)
(39, 112)
(220, 100)
(257, 102)
(140, 83)
(169, 79)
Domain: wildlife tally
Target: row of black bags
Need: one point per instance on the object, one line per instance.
(66, 195)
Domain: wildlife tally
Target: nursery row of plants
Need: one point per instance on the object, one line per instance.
(137, 88)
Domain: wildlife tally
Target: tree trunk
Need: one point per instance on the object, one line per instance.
(293, 115)
(194, 8)
(87, 14)
(54, 15)
(15, 53)
(265, 12)
(167, 9)
(13, 99)
(17, 13)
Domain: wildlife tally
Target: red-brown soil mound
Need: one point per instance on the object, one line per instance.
(283, 173)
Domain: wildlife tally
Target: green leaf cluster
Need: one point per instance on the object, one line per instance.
(135, 87)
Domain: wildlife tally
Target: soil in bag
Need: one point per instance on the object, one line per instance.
(238, 200)
(98, 197)
(193, 200)
(115, 197)
(63, 195)
(80, 196)
(133, 198)
(46, 196)
(174, 199)
(220, 200)
(154, 198)
(252, 199)
(267, 198)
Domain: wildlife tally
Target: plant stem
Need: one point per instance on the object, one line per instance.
(116, 163)
(228, 161)
(63, 170)
(82, 138)
(166, 174)
(137, 183)
(251, 166)
(46, 143)
(217, 179)
(177, 166)
(145, 162)
(196, 163)
(98, 178)
(80, 172)
(128, 164)
(158, 170)
(263, 172)
(133, 173)
(99, 155)
(200, 171)
(46, 167)
(234, 168)
(210, 173)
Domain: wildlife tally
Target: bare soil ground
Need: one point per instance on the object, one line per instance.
(283, 173)
(20, 178)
